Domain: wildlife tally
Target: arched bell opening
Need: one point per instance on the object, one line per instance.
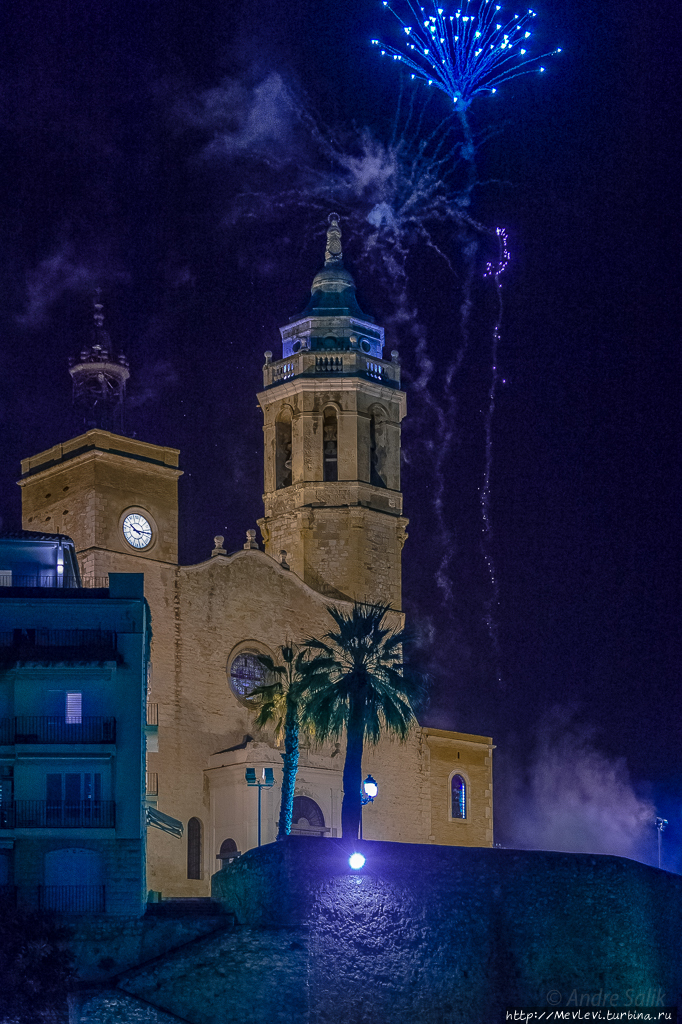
(330, 455)
(284, 447)
(378, 447)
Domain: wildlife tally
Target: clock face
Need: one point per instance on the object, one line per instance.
(137, 530)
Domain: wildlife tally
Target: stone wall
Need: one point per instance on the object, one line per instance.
(440, 935)
(445, 934)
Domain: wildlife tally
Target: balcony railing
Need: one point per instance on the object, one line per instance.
(73, 899)
(152, 783)
(58, 644)
(152, 714)
(53, 814)
(8, 896)
(58, 638)
(55, 582)
(53, 729)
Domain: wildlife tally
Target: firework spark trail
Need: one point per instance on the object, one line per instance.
(467, 54)
(494, 270)
(392, 196)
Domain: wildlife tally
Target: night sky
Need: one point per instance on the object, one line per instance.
(184, 157)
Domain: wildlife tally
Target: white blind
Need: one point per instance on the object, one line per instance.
(74, 708)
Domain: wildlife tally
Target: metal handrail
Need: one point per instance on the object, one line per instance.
(54, 729)
(29, 638)
(58, 814)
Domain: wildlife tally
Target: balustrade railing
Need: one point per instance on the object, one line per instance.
(351, 362)
(152, 714)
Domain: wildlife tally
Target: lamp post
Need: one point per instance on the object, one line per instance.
(368, 793)
(660, 828)
(266, 781)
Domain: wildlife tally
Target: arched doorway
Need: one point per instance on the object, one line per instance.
(307, 818)
(228, 851)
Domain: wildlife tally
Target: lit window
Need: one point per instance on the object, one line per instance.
(246, 673)
(459, 797)
(74, 709)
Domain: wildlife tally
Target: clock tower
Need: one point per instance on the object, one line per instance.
(332, 408)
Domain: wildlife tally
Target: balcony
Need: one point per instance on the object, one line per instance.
(53, 814)
(53, 729)
(72, 899)
(47, 645)
(151, 728)
(351, 363)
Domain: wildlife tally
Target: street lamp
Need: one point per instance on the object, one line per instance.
(266, 781)
(368, 793)
(660, 828)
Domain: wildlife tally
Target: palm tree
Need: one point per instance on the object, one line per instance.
(279, 703)
(359, 682)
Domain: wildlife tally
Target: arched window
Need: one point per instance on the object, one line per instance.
(283, 452)
(194, 848)
(307, 818)
(330, 454)
(377, 448)
(458, 790)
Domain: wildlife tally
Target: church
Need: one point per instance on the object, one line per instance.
(332, 533)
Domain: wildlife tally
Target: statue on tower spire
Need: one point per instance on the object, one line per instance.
(333, 255)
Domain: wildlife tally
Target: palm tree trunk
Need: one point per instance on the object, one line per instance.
(289, 770)
(351, 808)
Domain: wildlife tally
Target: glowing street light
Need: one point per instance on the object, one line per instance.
(266, 781)
(370, 790)
(368, 793)
(356, 861)
(660, 828)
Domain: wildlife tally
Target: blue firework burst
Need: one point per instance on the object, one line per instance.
(464, 54)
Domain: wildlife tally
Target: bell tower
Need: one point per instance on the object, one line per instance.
(332, 408)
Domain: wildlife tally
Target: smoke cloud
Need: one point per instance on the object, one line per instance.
(574, 798)
(241, 118)
(63, 272)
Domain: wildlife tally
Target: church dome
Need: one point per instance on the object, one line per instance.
(333, 288)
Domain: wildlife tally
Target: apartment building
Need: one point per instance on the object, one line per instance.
(73, 672)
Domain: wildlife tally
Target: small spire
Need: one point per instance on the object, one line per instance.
(101, 340)
(333, 255)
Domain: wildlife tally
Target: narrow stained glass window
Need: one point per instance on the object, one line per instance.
(459, 797)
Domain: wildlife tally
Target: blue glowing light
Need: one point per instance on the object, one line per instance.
(466, 53)
(356, 861)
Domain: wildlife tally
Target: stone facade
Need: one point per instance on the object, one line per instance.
(332, 409)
